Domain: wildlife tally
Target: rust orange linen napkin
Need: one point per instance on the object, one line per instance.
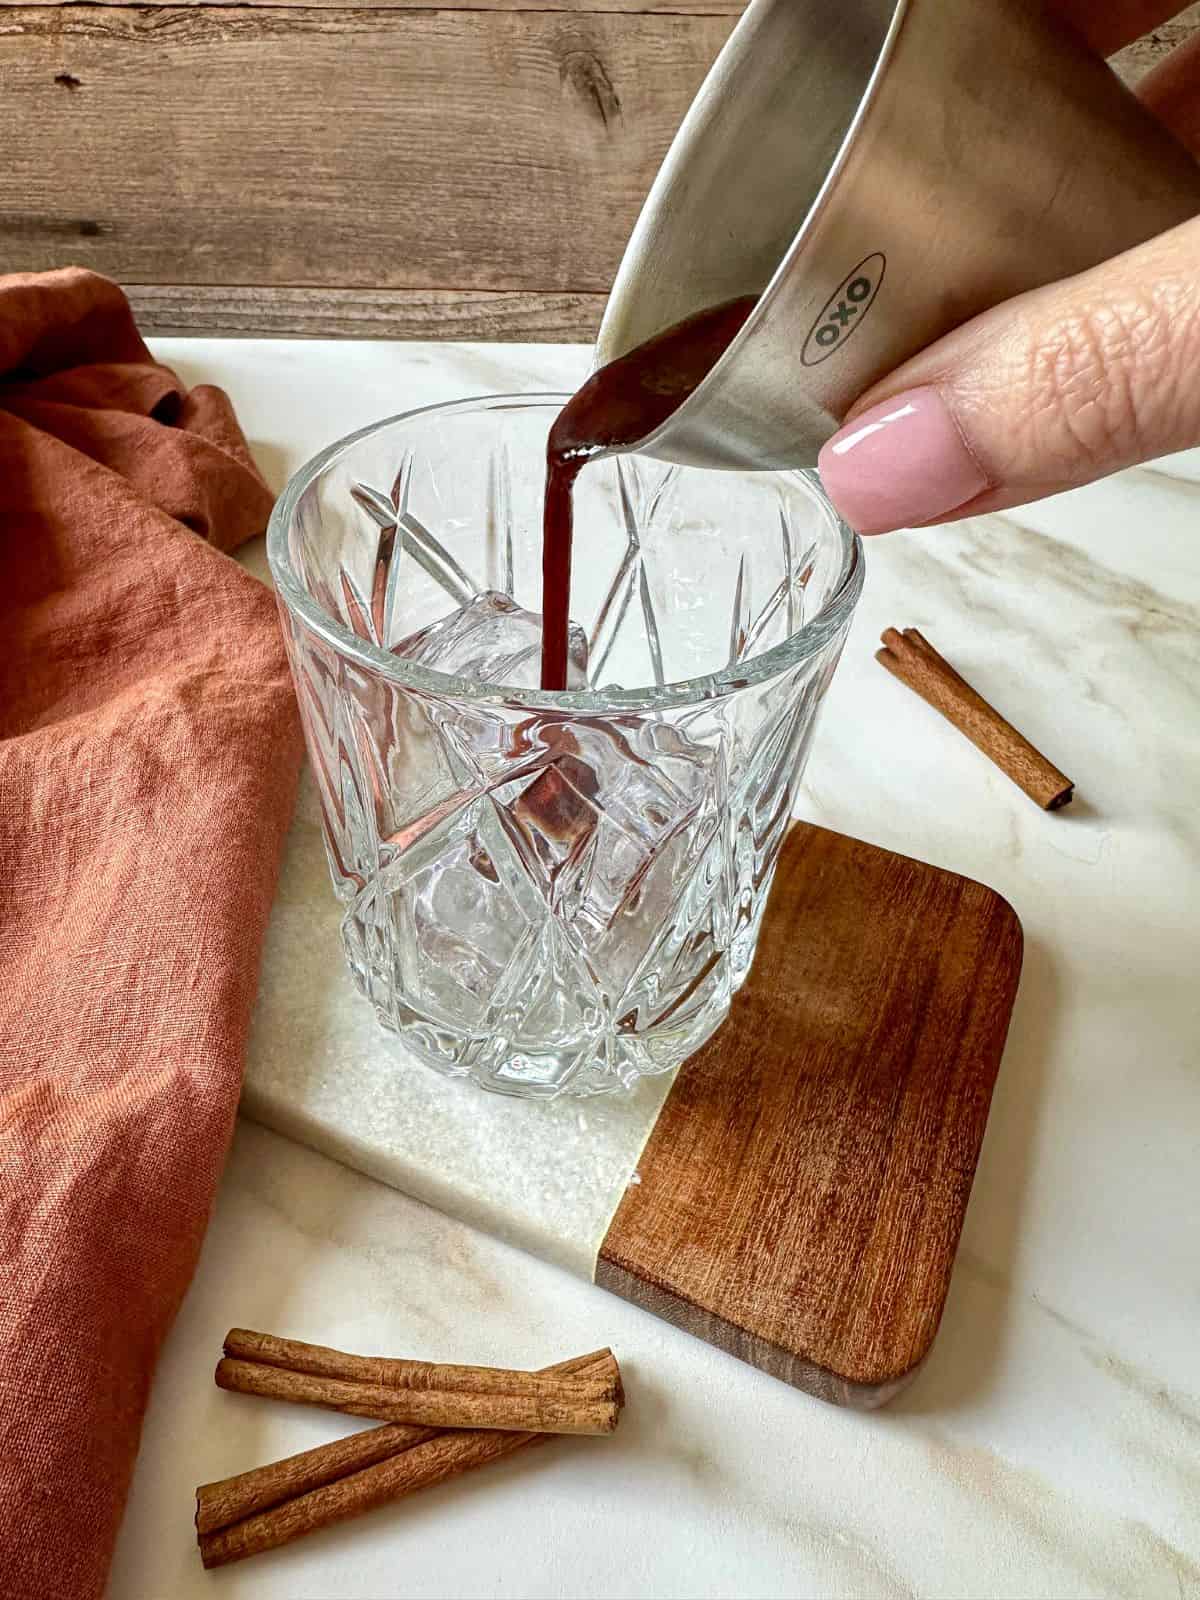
(149, 750)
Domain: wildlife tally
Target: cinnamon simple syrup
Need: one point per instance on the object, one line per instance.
(615, 408)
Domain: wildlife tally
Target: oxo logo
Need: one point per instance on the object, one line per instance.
(844, 310)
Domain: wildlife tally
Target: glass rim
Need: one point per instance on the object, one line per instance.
(807, 640)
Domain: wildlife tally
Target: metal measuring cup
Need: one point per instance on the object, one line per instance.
(878, 171)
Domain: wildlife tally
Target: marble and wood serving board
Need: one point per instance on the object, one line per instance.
(794, 1196)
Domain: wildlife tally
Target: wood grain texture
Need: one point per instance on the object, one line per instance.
(464, 150)
(802, 1194)
(386, 169)
(698, 8)
(291, 313)
(1136, 59)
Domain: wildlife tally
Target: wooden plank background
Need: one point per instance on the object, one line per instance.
(381, 168)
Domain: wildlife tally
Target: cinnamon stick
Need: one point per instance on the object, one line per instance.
(446, 1455)
(910, 657)
(233, 1499)
(243, 1344)
(269, 1506)
(429, 1408)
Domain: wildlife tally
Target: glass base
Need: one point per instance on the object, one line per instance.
(606, 1063)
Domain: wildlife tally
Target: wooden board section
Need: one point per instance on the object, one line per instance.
(706, 8)
(276, 313)
(802, 1194)
(389, 168)
(467, 152)
(1137, 59)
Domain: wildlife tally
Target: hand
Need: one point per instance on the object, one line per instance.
(1056, 387)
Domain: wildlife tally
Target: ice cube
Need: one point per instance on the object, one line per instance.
(523, 913)
(493, 640)
(615, 806)
(556, 815)
(651, 784)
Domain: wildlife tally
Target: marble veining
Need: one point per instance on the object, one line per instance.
(720, 1482)
(1081, 627)
(1049, 1446)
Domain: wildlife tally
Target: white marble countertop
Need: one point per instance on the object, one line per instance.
(1051, 1446)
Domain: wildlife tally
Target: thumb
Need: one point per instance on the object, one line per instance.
(1049, 390)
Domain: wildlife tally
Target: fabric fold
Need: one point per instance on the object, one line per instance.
(149, 750)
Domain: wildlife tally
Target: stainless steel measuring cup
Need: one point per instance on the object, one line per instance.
(879, 171)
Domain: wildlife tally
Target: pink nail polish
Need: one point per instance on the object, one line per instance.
(901, 463)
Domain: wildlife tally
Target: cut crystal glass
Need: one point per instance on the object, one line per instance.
(553, 892)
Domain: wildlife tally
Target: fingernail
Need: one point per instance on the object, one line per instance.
(901, 463)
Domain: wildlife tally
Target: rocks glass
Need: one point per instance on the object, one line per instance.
(553, 892)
